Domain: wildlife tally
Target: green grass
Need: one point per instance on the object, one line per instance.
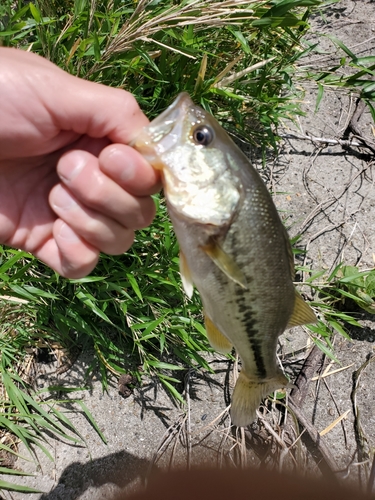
(26, 412)
(348, 72)
(239, 63)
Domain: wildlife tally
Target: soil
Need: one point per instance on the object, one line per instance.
(326, 194)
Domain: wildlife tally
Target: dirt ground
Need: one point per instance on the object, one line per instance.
(325, 193)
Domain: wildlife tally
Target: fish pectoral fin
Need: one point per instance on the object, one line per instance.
(187, 281)
(248, 394)
(302, 313)
(217, 340)
(225, 263)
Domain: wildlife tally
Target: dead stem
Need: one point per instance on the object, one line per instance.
(214, 421)
(171, 433)
(337, 408)
(271, 431)
(345, 143)
(328, 465)
(188, 422)
(322, 206)
(371, 480)
(362, 441)
(302, 383)
(142, 25)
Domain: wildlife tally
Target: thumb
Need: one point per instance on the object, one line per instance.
(97, 110)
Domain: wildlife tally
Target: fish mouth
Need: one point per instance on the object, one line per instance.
(174, 112)
(164, 131)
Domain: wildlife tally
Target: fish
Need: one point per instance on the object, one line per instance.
(234, 247)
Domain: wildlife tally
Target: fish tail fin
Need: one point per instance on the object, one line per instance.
(248, 394)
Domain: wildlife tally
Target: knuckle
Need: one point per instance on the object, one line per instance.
(93, 197)
(130, 103)
(146, 215)
(93, 194)
(119, 244)
(92, 230)
(73, 269)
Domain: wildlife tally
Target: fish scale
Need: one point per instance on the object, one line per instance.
(234, 247)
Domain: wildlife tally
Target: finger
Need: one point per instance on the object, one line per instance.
(98, 230)
(86, 143)
(67, 253)
(129, 169)
(80, 173)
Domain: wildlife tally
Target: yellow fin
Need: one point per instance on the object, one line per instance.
(302, 313)
(225, 263)
(218, 341)
(248, 394)
(186, 278)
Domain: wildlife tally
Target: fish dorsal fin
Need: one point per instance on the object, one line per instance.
(187, 281)
(302, 313)
(217, 340)
(225, 263)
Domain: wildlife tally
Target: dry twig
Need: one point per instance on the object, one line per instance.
(345, 143)
(310, 366)
(295, 402)
(328, 465)
(362, 441)
(354, 128)
(324, 205)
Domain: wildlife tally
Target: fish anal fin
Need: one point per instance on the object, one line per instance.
(225, 263)
(187, 281)
(248, 394)
(302, 313)
(217, 340)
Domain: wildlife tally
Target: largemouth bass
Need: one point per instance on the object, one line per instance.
(233, 245)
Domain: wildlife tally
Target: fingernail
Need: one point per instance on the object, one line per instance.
(66, 233)
(62, 199)
(123, 164)
(72, 164)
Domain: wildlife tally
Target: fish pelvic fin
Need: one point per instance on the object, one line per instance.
(187, 281)
(217, 340)
(248, 394)
(225, 263)
(302, 313)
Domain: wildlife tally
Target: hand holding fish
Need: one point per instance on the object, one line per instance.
(234, 247)
(70, 186)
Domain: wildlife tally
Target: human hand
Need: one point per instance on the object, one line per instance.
(70, 187)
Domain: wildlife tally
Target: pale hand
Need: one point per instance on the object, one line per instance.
(70, 187)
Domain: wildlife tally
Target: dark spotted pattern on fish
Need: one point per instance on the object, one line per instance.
(248, 320)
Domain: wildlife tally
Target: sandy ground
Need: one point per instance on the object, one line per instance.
(324, 193)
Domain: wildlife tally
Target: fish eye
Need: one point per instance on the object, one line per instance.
(203, 135)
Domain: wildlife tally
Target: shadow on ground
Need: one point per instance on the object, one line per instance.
(120, 469)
